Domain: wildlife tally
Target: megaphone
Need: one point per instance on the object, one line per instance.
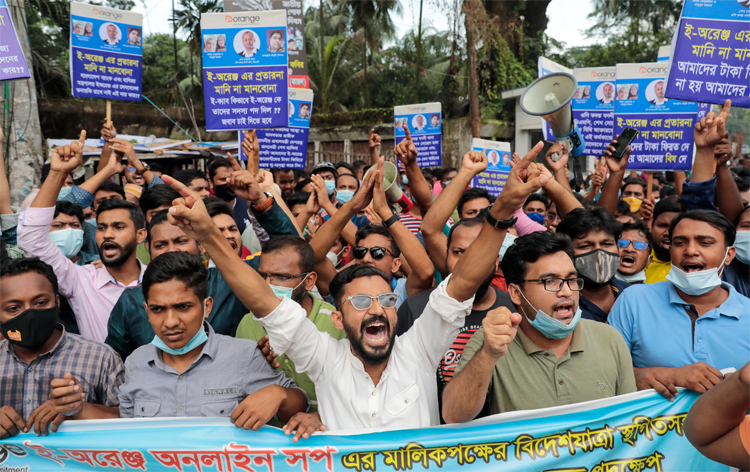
(398, 199)
(550, 97)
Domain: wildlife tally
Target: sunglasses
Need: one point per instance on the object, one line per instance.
(364, 302)
(376, 252)
(638, 245)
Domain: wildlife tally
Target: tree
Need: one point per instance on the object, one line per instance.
(188, 20)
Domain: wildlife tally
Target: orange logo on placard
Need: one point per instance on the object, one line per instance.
(642, 70)
(228, 19)
(96, 11)
(14, 335)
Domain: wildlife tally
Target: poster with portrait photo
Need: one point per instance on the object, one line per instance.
(427, 139)
(498, 165)
(246, 43)
(110, 33)
(605, 92)
(134, 36)
(592, 113)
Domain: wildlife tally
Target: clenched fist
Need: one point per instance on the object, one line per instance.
(500, 327)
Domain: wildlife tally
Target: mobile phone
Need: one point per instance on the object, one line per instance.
(626, 137)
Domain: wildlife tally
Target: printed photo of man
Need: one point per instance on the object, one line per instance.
(608, 91)
(434, 121)
(276, 41)
(113, 34)
(659, 99)
(304, 111)
(249, 45)
(78, 28)
(134, 36)
(419, 122)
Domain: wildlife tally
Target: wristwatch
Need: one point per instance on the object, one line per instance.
(265, 205)
(145, 169)
(392, 220)
(500, 224)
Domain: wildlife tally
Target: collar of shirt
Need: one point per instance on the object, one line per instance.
(576, 344)
(209, 349)
(60, 342)
(590, 308)
(103, 277)
(732, 306)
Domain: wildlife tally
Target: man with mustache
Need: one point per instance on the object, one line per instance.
(550, 356)
(120, 228)
(664, 212)
(682, 332)
(372, 379)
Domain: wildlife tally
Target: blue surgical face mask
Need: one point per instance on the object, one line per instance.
(330, 186)
(507, 242)
(344, 196)
(91, 220)
(536, 217)
(69, 241)
(199, 338)
(64, 192)
(637, 278)
(404, 180)
(696, 283)
(550, 327)
(742, 246)
(287, 292)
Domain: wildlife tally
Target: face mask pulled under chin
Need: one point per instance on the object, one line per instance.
(699, 282)
(224, 192)
(549, 326)
(32, 328)
(598, 266)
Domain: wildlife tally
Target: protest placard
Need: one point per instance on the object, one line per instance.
(498, 165)
(295, 33)
(703, 108)
(12, 61)
(425, 122)
(710, 56)
(545, 67)
(663, 54)
(665, 139)
(594, 107)
(286, 148)
(639, 431)
(245, 75)
(105, 52)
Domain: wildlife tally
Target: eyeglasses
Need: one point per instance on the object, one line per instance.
(364, 302)
(555, 284)
(638, 245)
(376, 252)
(276, 279)
(131, 169)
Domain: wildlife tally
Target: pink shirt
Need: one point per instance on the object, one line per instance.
(91, 292)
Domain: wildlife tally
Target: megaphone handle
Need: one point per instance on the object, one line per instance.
(578, 170)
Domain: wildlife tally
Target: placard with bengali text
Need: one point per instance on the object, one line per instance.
(425, 121)
(594, 107)
(12, 61)
(498, 165)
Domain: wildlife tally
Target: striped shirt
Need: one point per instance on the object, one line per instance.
(25, 387)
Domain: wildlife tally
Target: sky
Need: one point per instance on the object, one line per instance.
(560, 16)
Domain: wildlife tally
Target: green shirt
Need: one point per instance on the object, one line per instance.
(142, 254)
(320, 315)
(596, 365)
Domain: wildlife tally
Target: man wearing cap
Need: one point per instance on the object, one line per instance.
(329, 174)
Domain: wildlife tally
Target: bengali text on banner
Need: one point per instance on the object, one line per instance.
(425, 125)
(12, 61)
(593, 106)
(498, 165)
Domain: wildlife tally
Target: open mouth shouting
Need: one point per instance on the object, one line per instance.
(564, 310)
(110, 249)
(375, 330)
(692, 266)
(627, 261)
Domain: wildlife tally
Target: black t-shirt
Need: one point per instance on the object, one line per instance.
(412, 309)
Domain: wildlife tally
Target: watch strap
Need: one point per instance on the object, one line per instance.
(265, 205)
(500, 224)
(390, 221)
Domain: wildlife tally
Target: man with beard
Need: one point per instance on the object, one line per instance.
(219, 173)
(120, 228)
(372, 379)
(288, 265)
(550, 356)
(595, 233)
(684, 331)
(664, 212)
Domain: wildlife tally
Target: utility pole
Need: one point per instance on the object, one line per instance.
(419, 55)
(473, 76)
(24, 139)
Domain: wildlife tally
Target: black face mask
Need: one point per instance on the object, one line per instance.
(224, 192)
(32, 328)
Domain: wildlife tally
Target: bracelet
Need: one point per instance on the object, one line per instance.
(390, 221)
(268, 203)
(500, 224)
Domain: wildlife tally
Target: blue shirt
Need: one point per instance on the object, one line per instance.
(659, 331)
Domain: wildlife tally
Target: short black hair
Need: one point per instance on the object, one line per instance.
(156, 196)
(186, 176)
(468, 222)
(136, 215)
(366, 231)
(345, 165)
(301, 184)
(536, 197)
(306, 260)
(528, 249)
(216, 165)
(300, 173)
(622, 207)
(447, 170)
(580, 222)
(743, 184)
(347, 175)
(70, 209)
(472, 194)
(639, 226)
(633, 180)
(154, 167)
(669, 204)
(158, 218)
(181, 266)
(358, 164)
(713, 218)
(297, 198)
(45, 172)
(219, 208)
(24, 265)
(110, 186)
(346, 276)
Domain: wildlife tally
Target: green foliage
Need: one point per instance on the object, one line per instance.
(364, 117)
(158, 67)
